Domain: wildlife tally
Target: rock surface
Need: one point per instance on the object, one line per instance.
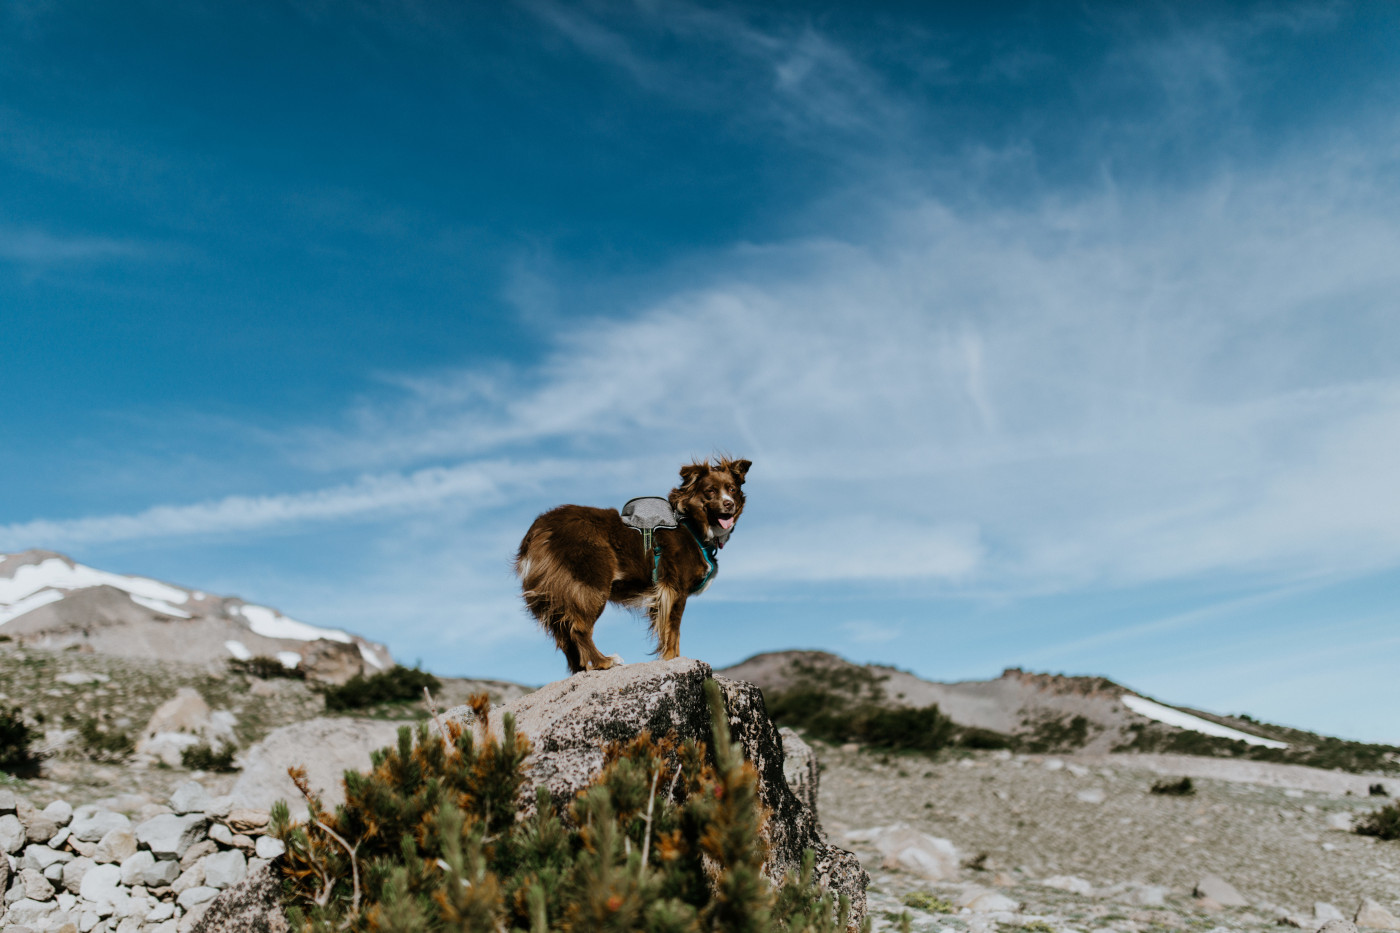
(570, 721)
(1372, 914)
(327, 748)
(251, 906)
(1221, 891)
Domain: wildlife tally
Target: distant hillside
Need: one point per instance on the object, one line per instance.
(47, 600)
(1050, 713)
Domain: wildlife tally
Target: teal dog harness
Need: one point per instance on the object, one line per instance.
(648, 513)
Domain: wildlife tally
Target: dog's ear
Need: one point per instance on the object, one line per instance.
(739, 468)
(693, 471)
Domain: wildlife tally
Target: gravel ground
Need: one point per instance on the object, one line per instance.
(1036, 817)
(124, 692)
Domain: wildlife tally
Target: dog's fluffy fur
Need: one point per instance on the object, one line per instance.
(574, 560)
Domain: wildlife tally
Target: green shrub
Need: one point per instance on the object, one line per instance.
(667, 839)
(103, 744)
(205, 757)
(1377, 790)
(1057, 734)
(265, 667)
(396, 685)
(922, 900)
(1181, 788)
(1383, 823)
(16, 737)
(973, 737)
(849, 709)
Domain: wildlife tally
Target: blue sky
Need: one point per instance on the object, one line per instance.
(1060, 336)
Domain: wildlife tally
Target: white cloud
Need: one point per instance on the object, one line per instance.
(1105, 392)
(867, 632)
(480, 484)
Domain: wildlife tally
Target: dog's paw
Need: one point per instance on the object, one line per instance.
(616, 659)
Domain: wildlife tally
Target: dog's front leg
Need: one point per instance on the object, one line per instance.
(666, 622)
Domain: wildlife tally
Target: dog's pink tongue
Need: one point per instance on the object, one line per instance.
(726, 523)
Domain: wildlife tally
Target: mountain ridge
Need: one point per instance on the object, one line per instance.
(48, 600)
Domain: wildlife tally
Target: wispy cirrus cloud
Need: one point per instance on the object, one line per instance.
(38, 247)
(1109, 391)
(479, 484)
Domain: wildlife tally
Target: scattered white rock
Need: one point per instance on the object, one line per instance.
(116, 846)
(190, 797)
(1053, 764)
(79, 678)
(1147, 895)
(40, 857)
(225, 869)
(197, 851)
(29, 912)
(1091, 795)
(60, 811)
(1071, 883)
(983, 901)
(901, 846)
(91, 823)
(269, 848)
(36, 886)
(221, 834)
(169, 836)
(74, 872)
(1220, 891)
(101, 884)
(1372, 914)
(1340, 821)
(12, 834)
(1324, 913)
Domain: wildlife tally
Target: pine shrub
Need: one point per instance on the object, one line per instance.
(399, 684)
(101, 743)
(1181, 788)
(206, 757)
(16, 737)
(266, 667)
(667, 839)
(1383, 823)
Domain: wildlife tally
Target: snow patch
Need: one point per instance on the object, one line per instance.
(369, 655)
(289, 659)
(160, 605)
(238, 650)
(1175, 717)
(270, 623)
(56, 573)
(28, 604)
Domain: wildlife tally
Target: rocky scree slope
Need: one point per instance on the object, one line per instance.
(991, 841)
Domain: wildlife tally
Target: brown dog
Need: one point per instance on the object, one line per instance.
(574, 560)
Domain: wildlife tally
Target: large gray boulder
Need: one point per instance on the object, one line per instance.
(250, 906)
(570, 722)
(326, 748)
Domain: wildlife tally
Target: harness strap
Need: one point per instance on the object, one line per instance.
(649, 542)
(706, 553)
